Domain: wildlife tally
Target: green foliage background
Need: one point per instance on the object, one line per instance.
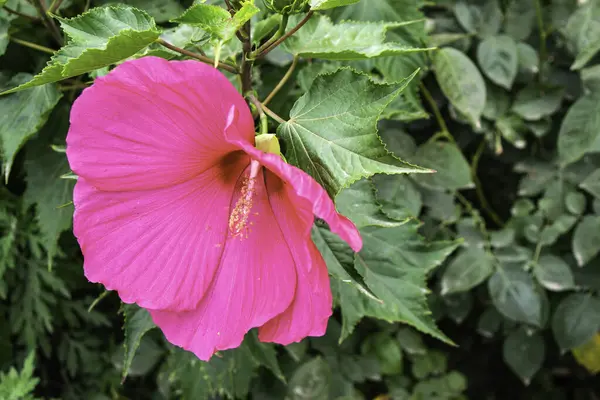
(479, 281)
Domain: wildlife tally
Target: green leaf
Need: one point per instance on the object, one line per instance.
(137, 323)
(4, 25)
(576, 320)
(394, 263)
(358, 203)
(181, 36)
(327, 4)
(524, 353)
(591, 79)
(98, 38)
(519, 19)
(471, 266)
(586, 240)
(528, 59)
(335, 140)
(262, 28)
(591, 184)
(534, 102)
(216, 20)
(452, 169)
(339, 258)
(160, 10)
(264, 353)
(583, 32)
(23, 114)
(484, 20)
(320, 38)
(311, 381)
(553, 273)
(580, 129)
(498, 58)
(386, 10)
(514, 294)
(386, 350)
(461, 82)
(18, 385)
(398, 195)
(45, 186)
(407, 106)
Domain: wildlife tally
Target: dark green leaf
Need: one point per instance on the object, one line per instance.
(461, 82)
(576, 320)
(358, 203)
(534, 103)
(387, 351)
(327, 4)
(586, 240)
(471, 266)
(336, 141)
(519, 19)
(583, 32)
(498, 58)
(310, 381)
(553, 273)
(484, 20)
(398, 196)
(591, 184)
(452, 169)
(23, 114)
(394, 263)
(524, 353)
(46, 188)
(580, 129)
(99, 37)
(137, 323)
(514, 294)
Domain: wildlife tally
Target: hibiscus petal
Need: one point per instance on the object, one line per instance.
(309, 312)
(152, 123)
(255, 282)
(158, 248)
(308, 190)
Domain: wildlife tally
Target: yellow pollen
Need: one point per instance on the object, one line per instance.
(238, 220)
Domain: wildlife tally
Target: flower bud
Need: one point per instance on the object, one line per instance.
(286, 7)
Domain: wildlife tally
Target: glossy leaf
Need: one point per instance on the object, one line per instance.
(137, 323)
(580, 129)
(553, 273)
(586, 240)
(452, 169)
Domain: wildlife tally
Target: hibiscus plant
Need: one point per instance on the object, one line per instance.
(299, 199)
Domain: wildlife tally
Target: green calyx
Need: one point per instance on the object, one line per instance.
(268, 143)
(286, 7)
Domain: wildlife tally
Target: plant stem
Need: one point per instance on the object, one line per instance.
(199, 57)
(264, 123)
(246, 63)
(287, 34)
(54, 6)
(272, 114)
(543, 37)
(479, 190)
(280, 32)
(20, 14)
(47, 21)
(438, 115)
(32, 45)
(478, 220)
(282, 82)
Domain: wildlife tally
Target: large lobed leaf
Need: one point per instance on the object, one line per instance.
(332, 130)
(320, 38)
(98, 38)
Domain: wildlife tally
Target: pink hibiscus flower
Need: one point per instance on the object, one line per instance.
(178, 211)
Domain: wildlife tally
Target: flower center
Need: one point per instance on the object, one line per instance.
(238, 220)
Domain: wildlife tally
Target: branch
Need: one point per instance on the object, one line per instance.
(54, 6)
(282, 82)
(20, 14)
(287, 34)
(47, 21)
(199, 57)
(32, 45)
